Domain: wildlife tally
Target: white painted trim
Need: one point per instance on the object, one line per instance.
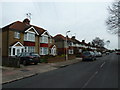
(31, 32)
(16, 47)
(17, 43)
(54, 46)
(33, 29)
(47, 33)
(53, 50)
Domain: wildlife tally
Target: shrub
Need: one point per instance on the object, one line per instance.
(43, 60)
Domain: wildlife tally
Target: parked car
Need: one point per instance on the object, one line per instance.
(107, 53)
(98, 54)
(27, 58)
(117, 52)
(88, 55)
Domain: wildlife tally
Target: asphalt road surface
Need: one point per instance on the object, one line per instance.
(102, 73)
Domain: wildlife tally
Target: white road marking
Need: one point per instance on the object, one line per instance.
(90, 79)
(102, 64)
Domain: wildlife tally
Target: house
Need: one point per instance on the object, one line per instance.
(60, 42)
(62, 46)
(78, 46)
(19, 37)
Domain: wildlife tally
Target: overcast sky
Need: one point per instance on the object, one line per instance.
(86, 20)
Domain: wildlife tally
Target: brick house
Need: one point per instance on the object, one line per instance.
(60, 42)
(21, 37)
(78, 46)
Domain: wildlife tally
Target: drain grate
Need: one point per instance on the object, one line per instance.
(24, 70)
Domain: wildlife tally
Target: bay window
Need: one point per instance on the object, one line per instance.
(29, 49)
(44, 39)
(29, 37)
(43, 51)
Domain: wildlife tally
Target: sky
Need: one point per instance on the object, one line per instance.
(84, 19)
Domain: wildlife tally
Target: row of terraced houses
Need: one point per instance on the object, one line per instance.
(19, 37)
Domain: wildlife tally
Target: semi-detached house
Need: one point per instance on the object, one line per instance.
(21, 37)
(62, 46)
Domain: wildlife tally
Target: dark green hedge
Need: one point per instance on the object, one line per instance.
(11, 62)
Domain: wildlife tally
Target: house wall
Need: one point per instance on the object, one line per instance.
(50, 44)
(4, 43)
(61, 51)
(0, 43)
(37, 44)
(12, 40)
(59, 44)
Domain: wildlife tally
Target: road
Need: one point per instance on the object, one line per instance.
(102, 73)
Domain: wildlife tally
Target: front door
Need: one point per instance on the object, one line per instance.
(18, 51)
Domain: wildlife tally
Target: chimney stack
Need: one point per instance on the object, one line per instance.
(73, 37)
(83, 41)
(26, 21)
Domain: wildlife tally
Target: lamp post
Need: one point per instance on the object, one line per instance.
(66, 45)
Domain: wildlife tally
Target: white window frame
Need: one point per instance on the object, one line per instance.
(42, 51)
(29, 48)
(17, 35)
(27, 36)
(44, 39)
(70, 51)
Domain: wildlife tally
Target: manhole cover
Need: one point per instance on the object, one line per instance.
(24, 70)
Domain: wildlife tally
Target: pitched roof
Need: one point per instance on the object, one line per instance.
(76, 41)
(40, 30)
(21, 27)
(59, 37)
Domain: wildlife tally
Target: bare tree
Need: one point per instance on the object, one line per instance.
(99, 42)
(113, 21)
(107, 43)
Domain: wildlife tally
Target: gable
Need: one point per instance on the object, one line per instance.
(46, 33)
(32, 29)
(17, 44)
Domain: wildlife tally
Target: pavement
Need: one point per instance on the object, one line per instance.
(13, 74)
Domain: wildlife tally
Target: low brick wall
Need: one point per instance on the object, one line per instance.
(56, 59)
(60, 59)
(71, 57)
(10, 62)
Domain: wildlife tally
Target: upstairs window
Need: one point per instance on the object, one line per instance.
(29, 37)
(44, 39)
(50, 40)
(17, 35)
